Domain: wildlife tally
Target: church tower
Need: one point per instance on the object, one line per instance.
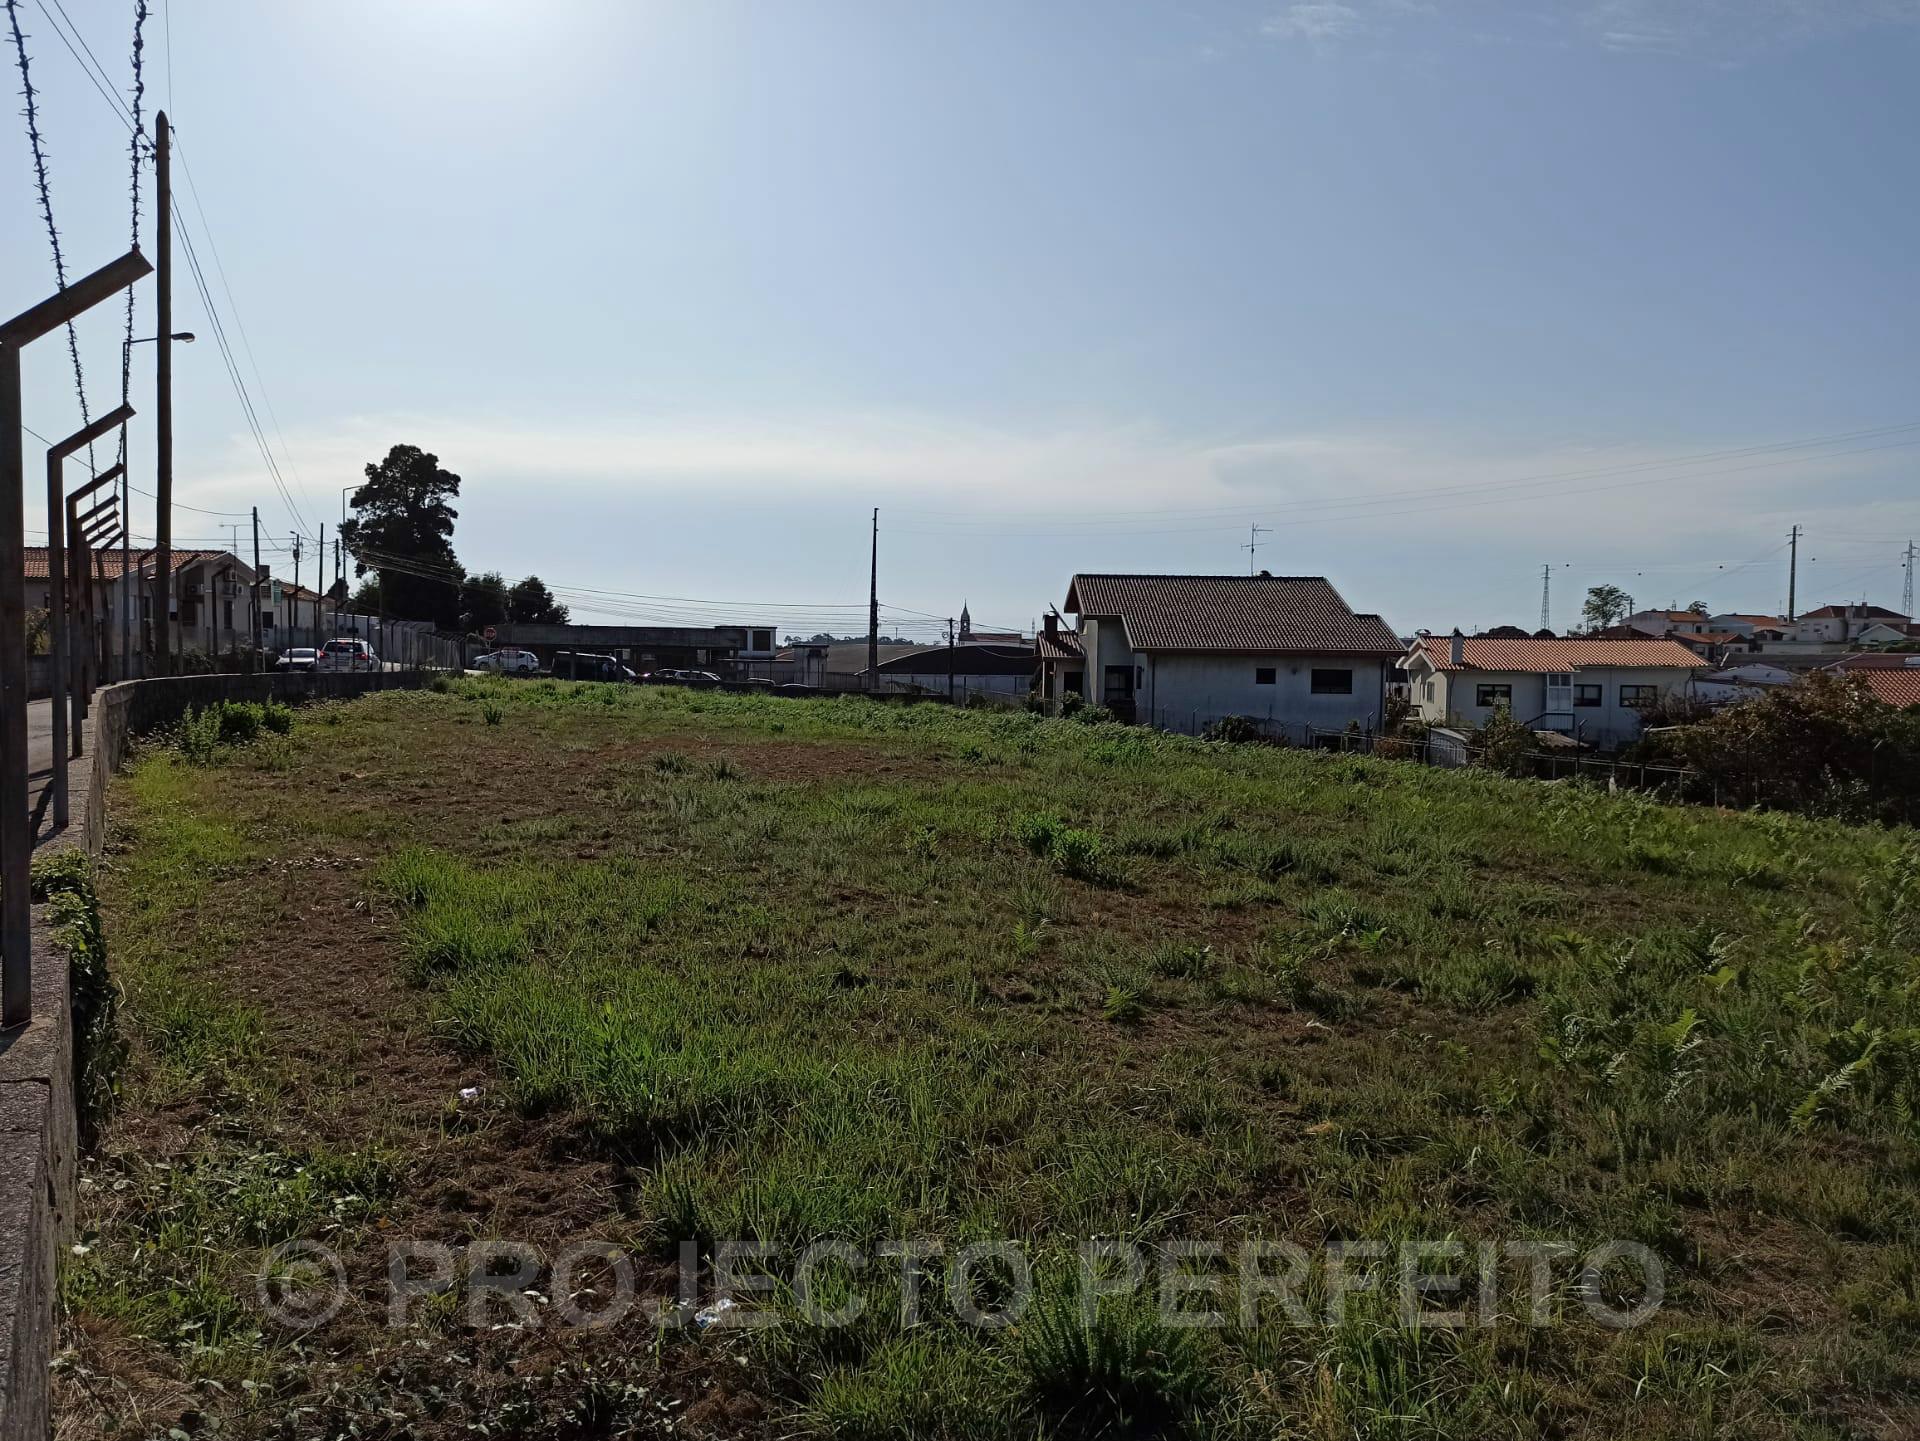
(966, 623)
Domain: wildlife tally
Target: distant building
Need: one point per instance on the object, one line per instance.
(1592, 689)
(1842, 625)
(962, 670)
(1182, 651)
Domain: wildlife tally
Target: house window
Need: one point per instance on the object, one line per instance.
(1587, 697)
(1487, 695)
(1264, 674)
(1639, 695)
(1076, 682)
(763, 640)
(1119, 682)
(1333, 682)
(1426, 690)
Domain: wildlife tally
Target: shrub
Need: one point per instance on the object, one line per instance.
(1094, 715)
(491, 713)
(276, 717)
(1232, 730)
(1502, 744)
(1826, 746)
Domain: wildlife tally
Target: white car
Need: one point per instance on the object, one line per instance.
(346, 654)
(302, 657)
(508, 662)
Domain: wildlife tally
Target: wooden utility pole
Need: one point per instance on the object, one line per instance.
(873, 609)
(293, 597)
(1793, 569)
(319, 588)
(163, 388)
(253, 651)
(949, 660)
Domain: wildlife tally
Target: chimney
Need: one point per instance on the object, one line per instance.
(1052, 624)
(1457, 648)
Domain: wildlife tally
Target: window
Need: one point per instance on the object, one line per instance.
(1639, 695)
(1076, 682)
(1486, 696)
(1426, 690)
(1119, 681)
(1263, 674)
(1586, 697)
(1333, 682)
(763, 640)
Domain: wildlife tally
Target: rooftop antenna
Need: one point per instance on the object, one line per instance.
(1254, 532)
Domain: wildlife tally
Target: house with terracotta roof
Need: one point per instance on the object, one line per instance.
(1894, 679)
(1591, 689)
(1182, 651)
(1845, 625)
(207, 605)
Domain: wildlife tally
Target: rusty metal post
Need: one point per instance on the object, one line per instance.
(16, 825)
(58, 630)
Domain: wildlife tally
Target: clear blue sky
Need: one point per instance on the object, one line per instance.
(681, 290)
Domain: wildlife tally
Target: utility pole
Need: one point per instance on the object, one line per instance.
(319, 587)
(1546, 596)
(1254, 532)
(163, 386)
(253, 651)
(949, 660)
(338, 575)
(293, 599)
(873, 609)
(1793, 569)
(1906, 591)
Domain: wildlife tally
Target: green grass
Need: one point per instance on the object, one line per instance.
(836, 970)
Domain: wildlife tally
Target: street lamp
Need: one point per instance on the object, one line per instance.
(186, 335)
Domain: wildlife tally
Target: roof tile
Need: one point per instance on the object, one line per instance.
(1264, 613)
(1552, 657)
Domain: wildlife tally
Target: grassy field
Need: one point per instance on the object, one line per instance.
(722, 969)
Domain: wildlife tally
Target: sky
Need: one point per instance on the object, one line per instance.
(1435, 293)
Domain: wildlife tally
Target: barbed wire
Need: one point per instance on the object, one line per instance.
(133, 150)
(38, 146)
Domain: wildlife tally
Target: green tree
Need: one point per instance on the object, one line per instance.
(1606, 605)
(483, 600)
(532, 603)
(1699, 607)
(365, 599)
(402, 525)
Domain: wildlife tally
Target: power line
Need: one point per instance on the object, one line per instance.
(38, 146)
(91, 66)
(1433, 492)
(239, 321)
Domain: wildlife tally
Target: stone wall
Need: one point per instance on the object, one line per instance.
(39, 1137)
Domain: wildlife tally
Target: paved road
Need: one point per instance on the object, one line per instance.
(40, 766)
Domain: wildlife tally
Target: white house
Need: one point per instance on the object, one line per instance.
(1182, 651)
(1740, 682)
(1845, 625)
(1591, 689)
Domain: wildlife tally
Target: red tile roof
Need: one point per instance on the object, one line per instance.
(1061, 645)
(1890, 677)
(1301, 614)
(1553, 657)
(1855, 612)
(36, 556)
(1706, 637)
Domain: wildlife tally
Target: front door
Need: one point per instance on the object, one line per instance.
(1117, 695)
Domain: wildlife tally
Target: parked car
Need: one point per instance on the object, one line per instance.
(346, 654)
(508, 662)
(583, 665)
(300, 657)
